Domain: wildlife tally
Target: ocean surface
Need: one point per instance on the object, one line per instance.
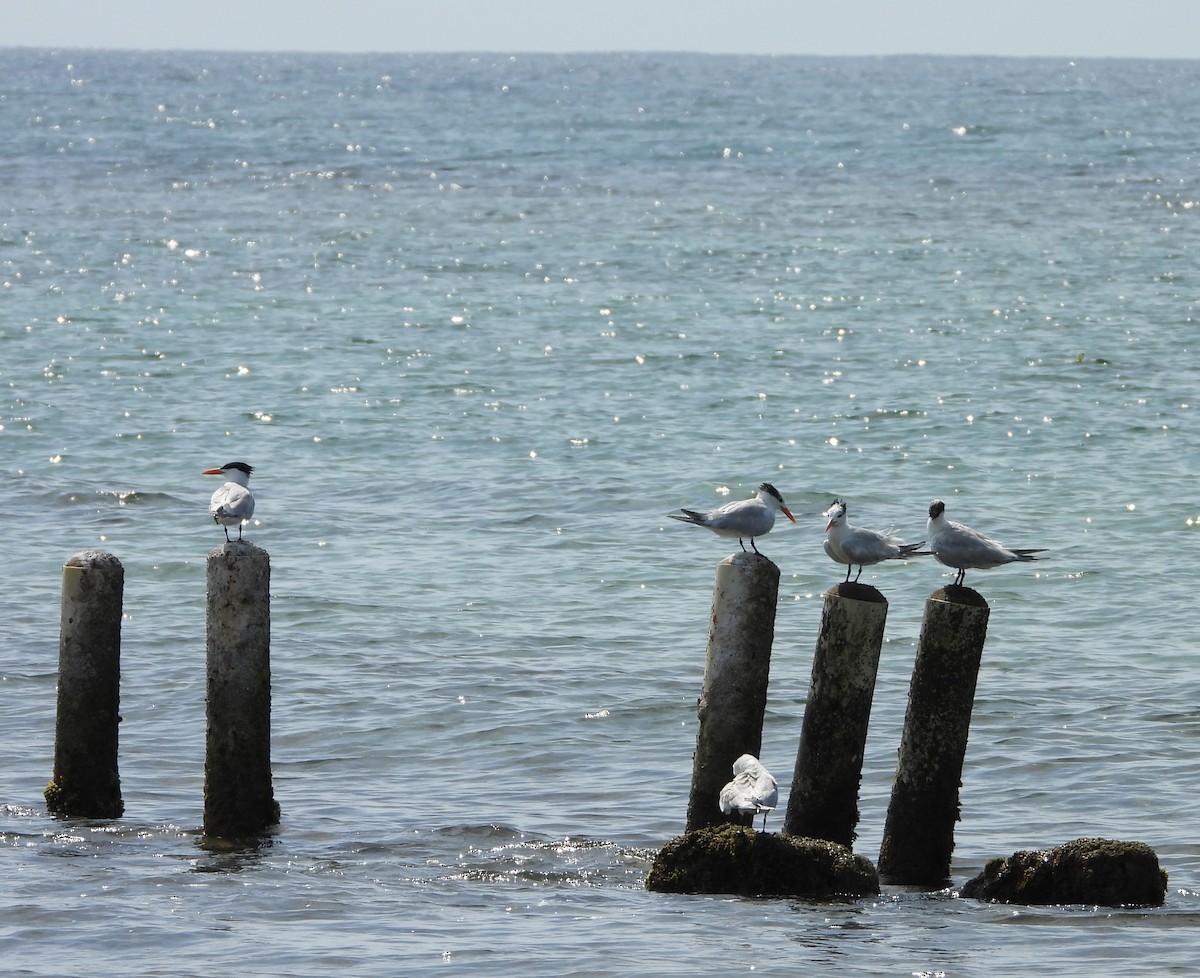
(480, 322)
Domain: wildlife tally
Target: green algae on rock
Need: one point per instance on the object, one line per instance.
(735, 859)
(1099, 872)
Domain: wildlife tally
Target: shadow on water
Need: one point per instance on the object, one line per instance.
(232, 855)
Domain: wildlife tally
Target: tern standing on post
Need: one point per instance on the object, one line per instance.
(961, 547)
(852, 545)
(233, 503)
(744, 518)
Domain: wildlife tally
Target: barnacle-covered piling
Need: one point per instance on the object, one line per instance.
(733, 700)
(86, 782)
(823, 803)
(238, 796)
(918, 836)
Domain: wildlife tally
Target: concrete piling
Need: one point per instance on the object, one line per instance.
(86, 782)
(918, 836)
(823, 802)
(238, 796)
(733, 700)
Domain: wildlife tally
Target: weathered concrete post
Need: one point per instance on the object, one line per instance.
(918, 836)
(86, 782)
(823, 803)
(733, 700)
(238, 798)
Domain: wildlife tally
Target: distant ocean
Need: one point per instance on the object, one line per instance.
(480, 322)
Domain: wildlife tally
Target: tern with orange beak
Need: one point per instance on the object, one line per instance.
(233, 503)
(745, 518)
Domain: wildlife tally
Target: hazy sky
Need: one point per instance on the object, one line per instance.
(1067, 28)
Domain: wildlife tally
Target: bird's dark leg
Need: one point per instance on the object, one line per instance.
(239, 533)
(752, 544)
(743, 546)
(849, 568)
(859, 574)
(226, 529)
(960, 577)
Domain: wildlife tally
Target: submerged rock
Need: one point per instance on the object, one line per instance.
(736, 859)
(1100, 872)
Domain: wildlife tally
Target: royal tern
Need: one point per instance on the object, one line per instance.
(744, 518)
(233, 503)
(852, 545)
(751, 790)
(961, 547)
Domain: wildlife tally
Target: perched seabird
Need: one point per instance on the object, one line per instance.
(961, 547)
(745, 518)
(233, 503)
(852, 545)
(751, 790)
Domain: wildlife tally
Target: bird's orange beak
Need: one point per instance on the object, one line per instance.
(788, 513)
(213, 472)
(828, 525)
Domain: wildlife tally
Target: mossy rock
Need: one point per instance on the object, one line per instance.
(736, 859)
(56, 798)
(1098, 872)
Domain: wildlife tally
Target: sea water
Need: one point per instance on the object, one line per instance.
(480, 322)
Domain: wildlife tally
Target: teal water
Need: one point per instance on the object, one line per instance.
(479, 323)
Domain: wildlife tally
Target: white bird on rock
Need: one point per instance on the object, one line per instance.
(233, 503)
(752, 789)
(961, 547)
(852, 545)
(744, 518)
